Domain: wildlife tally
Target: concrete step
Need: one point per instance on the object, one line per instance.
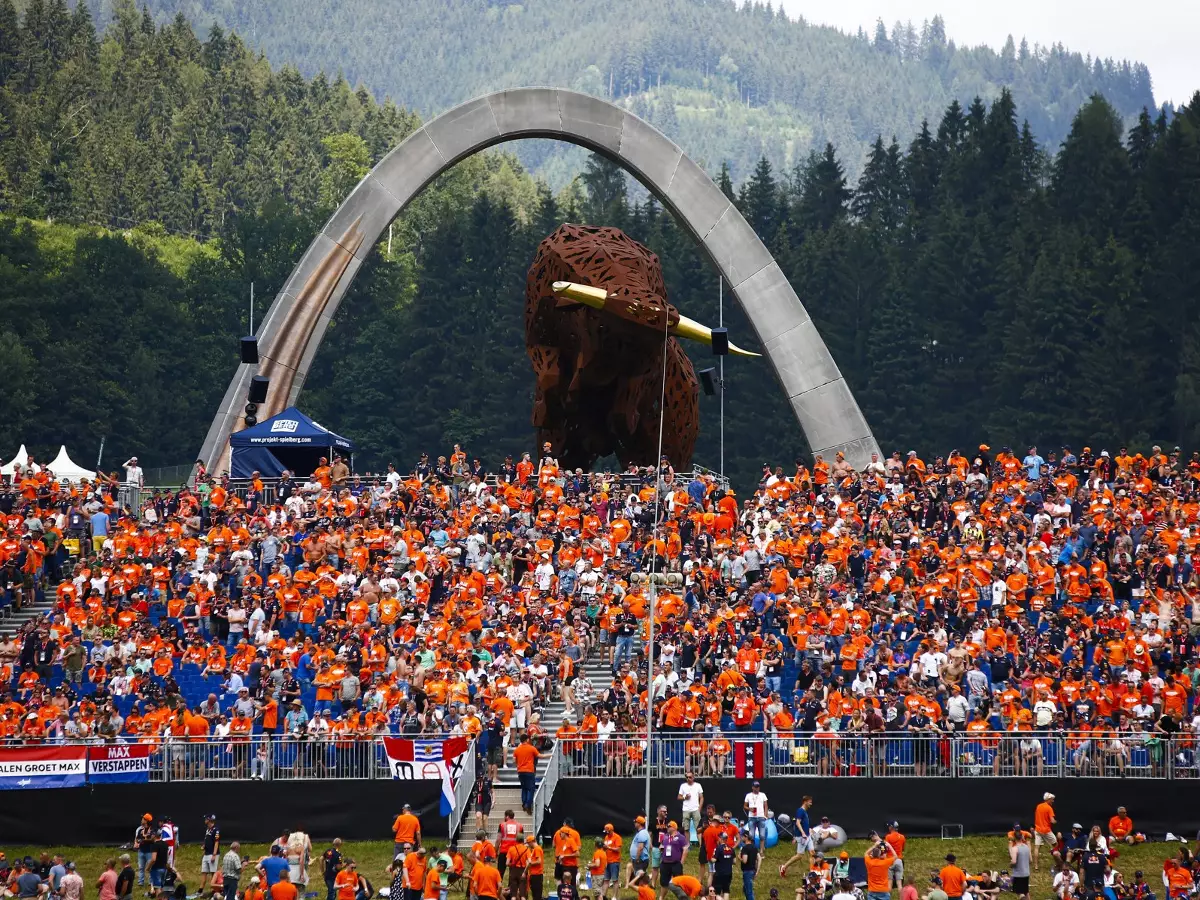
(11, 624)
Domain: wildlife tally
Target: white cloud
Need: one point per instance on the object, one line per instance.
(1159, 33)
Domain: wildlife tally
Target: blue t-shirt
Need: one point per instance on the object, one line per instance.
(100, 524)
(802, 824)
(640, 848)
(273, 866)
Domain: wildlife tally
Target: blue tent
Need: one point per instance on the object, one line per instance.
(289, 440)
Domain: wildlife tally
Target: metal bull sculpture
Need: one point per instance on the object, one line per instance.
(597, 326)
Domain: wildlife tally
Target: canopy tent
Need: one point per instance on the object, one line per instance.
(290, 440)
(18, 463)
(65, 468)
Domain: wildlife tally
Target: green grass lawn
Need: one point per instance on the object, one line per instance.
(923, 857)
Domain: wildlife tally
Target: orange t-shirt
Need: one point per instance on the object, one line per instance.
(526, 756)
(285, 890)
(954, 880)
(345, 884)
(878, 880)
(690, 885)
(485, 880)
(1043, 819)
(406, 827)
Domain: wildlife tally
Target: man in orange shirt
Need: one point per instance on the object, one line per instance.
(345, 883)
(954, 879)
(283, 889)
(485, 881)
(878, 861)
(526, 756)
(1043, 827)
(1120, 827)
(407, 829)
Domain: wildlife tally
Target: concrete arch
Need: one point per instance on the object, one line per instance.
(292, 331)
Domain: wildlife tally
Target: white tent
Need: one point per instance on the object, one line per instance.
(18, 463)
(65, 469)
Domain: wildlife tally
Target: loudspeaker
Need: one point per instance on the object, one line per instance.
(720, 341)
(251, 421)
(251, 408)
(706, 381)
(250, 349)
(258, 389)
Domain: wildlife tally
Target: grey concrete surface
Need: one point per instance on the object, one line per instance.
(292, 331)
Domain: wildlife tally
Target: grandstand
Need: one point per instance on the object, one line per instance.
(965, 618)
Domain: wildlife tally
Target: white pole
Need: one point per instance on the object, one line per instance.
(100, 455)
(650, 696)
(721, 368)
(654, 565)
(252, 307)
(389, 249)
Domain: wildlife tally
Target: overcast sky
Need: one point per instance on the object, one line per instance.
(1160, 33)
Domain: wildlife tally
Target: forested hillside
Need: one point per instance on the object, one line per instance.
(729, 81)
(970, 284)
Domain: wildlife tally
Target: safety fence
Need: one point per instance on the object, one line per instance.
(545, 790)
(1032, 754)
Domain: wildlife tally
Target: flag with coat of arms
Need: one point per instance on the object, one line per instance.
(429, 760)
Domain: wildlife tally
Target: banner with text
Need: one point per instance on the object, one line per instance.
(119, 763)
(23, 768)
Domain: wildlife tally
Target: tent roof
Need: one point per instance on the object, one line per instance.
(20, 461)
(290, 428)
(66, 469)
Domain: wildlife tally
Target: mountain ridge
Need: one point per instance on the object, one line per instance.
(728, 83)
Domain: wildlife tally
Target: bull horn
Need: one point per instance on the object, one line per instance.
(581, 293)
(687, 328)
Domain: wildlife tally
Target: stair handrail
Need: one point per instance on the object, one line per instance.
(545, 791)
(463, 789)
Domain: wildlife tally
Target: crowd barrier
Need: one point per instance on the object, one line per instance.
(1029, 754)
(737, 754)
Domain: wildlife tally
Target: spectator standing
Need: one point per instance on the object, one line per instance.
(804, 841)
(897, 842)
(131, 489)
(639, 851)
(331, 864)
(1043, 826)
(526, 756)
(299, 851)
(270, 867)
(953, 879)
(674, 847)
(231, 870)
(125, 879)
(100, 523)
(748, 856)
(878, 862)
(1019, 857)
(283, 889)
(209, 860)
(755, 807)
(107, 882)
(71, 886)
(692, 796)
(406, 829)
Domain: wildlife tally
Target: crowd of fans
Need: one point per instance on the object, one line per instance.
(975, 593)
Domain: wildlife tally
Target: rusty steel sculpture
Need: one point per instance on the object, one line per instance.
(597, 326)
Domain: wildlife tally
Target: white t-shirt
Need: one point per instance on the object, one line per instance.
(691, 794)
(757, 804)
(1066, 879)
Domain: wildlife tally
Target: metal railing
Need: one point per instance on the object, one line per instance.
(463, 789)
(270, 759)
(545, 791)
(1023, 754)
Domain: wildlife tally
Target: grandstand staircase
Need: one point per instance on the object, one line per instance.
(506, 791)
(15, 619)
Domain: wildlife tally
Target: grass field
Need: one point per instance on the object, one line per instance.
(923, 856)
